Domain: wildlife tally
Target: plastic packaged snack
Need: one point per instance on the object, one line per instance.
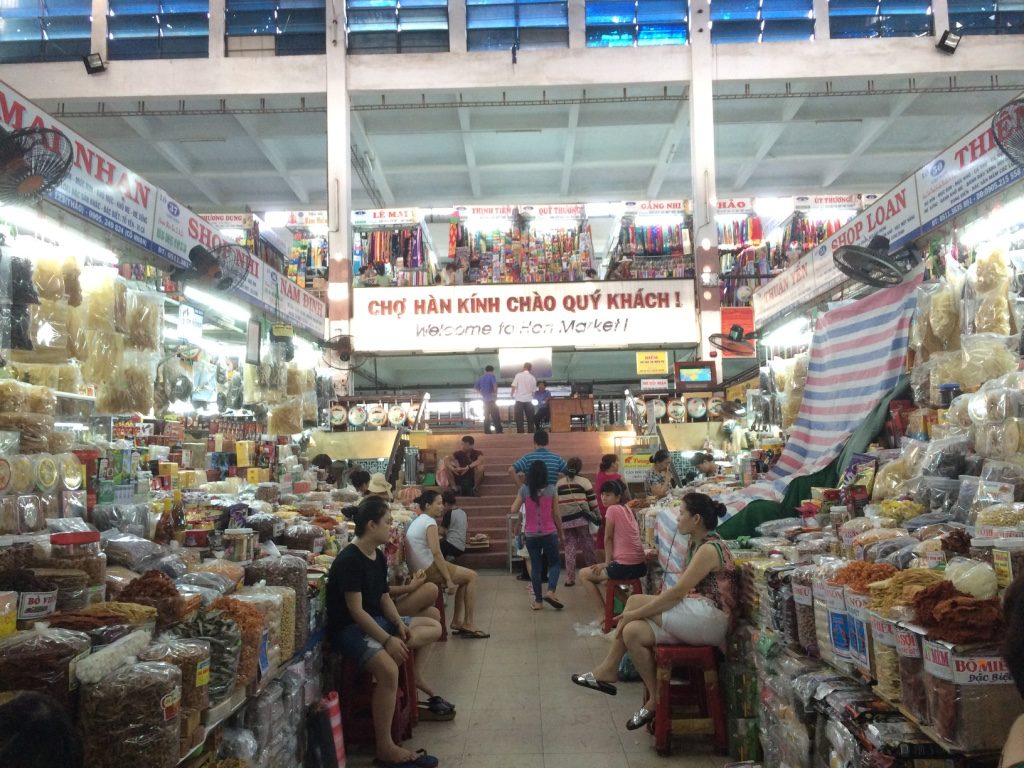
(308, 537)
(22, 287)
(987, 356)
(131, 717)
(240, 744)
(911, 663)
(225, 639)
(233, 572)
(48, 332)
(127, 549)
(991, 313)
(286, 418)
(972, 577)
(145, 320)
(13, 395)
(267, 603)
(132, 390)
(110, 658)
(48, 276)
(105, 301)
(192, 658)
(43, 660)
(101, 355)
(207, 580)
(71, 272)
(252, 625)
(286, 571)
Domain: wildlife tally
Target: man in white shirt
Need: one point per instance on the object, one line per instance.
(523, 387)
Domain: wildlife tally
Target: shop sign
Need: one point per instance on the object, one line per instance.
(654, 385)
(190, 324)
(229, 220)
(655, 206)
(98, 188)
(386, 216)
(651, 363)
(791, 288)
(970, 171)
(485, 211)
(809, 202)
(292, 304)
(572, 211)
(736, 205)
(635, 466)
(467, 318)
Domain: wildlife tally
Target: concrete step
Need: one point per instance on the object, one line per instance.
(494, 558)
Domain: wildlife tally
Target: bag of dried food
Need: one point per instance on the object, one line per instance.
(43, 659)
(130, 717)
(286, 571)
(192, 657)
(225, 639)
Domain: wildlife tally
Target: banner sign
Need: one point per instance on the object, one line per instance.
(736, 205)
(386, 216)
(655, 206)
(651, 363)
(101, 190)
(468, 318)
(287, 301)
(229, 220)
(809, 202)
(970, 171)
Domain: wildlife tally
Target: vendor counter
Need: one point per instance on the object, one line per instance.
(564, 410)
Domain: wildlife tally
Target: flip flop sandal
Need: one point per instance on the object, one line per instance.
(554, 603)
(639, 719)
(536, 606)
(437, 706)
(587, 680)
(430, 715)
(569, 584)
(458, 631)
(473, 634)
(422, 760)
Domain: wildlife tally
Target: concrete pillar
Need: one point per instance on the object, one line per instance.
(339, 172)
(940, 15)
(822, 31)
(457, 26)
(702, 164)
(218, 24)
(98, 43)
(577, 24)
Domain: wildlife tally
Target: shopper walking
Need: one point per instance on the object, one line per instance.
(609, 470)
(364, 624)
(542, 528)
(487, 386)
(577, 507)
(697, 610)
(554, 463)
(623, 547)
(523, 387)
(423, 551)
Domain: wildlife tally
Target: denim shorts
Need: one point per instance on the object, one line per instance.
(356, 644)
(621, 572)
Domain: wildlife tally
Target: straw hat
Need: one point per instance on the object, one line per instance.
(379, 484)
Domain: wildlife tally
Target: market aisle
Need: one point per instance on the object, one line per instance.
(516, 705)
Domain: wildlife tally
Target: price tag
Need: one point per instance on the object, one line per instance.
(264, 653)
(203, 673)
(36, 605)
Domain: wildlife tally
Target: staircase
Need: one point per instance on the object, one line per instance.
(488, 513)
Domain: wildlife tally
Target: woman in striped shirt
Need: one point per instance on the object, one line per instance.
(577, 506)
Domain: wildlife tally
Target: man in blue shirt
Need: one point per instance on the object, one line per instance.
(542, 396)
(487, 386)
(555, 464)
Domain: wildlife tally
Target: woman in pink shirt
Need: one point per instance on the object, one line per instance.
(609, 470)
(542, 528)
(623, 548)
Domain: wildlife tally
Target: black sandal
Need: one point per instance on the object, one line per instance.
(639, 719)
(587, 680)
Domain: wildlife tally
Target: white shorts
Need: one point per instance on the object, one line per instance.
(692, 621)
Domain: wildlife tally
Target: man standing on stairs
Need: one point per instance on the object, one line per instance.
(487, 386)
(554, 463)
(523, 387)
(468, 471)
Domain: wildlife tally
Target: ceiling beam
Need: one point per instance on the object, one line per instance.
(669, 146)
(172, 154)
(467, 146)
(236, 173)
(570, 148)
(362, 140)
(873, 130)
(768, 138)
(248, 123)
(536, 165)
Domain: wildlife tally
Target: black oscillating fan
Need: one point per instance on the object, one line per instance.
(736, 342)
(222, 268)
(32, 162)
(1008, 130)
(872, 264)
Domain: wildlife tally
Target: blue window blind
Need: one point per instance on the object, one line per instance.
(618, 23)
(496, 25)
(158, 29)
(880, 18)
(978, 17)
(299, 27)
(44, 30)
(397, 26)
(757, 21)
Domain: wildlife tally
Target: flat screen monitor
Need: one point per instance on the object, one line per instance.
(695, 376)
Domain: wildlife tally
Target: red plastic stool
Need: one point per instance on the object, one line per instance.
(439, 604)
(694, 695)
(355, 687)
(636, 587)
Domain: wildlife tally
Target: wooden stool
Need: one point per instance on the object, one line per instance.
(610, 617)
(696, 693)
(355, 687)
(439, 604)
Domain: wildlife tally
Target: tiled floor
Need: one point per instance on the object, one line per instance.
(516, 705)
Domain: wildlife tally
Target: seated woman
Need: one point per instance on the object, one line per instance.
(658, 482)
(360, 480)
(1013, 652)
(696, 611)
(454, 527)
(624, 549)
(423, 552)
(364, 625)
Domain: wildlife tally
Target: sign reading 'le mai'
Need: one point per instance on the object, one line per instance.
(467, 318)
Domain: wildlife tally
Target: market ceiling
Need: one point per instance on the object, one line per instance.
(531, 145)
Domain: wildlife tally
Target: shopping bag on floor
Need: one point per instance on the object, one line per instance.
(326, 741)
(627, 672)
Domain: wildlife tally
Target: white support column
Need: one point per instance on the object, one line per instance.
(940, 15)
(98, 43)
(702, 164)
(457, 26)
(822, 31)
(577, 23)
(218, 24)
(339, 173)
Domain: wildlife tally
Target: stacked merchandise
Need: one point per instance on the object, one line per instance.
(737, 232)
(307, 262)
(155, 633)
(400, 253)
(654, 251)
